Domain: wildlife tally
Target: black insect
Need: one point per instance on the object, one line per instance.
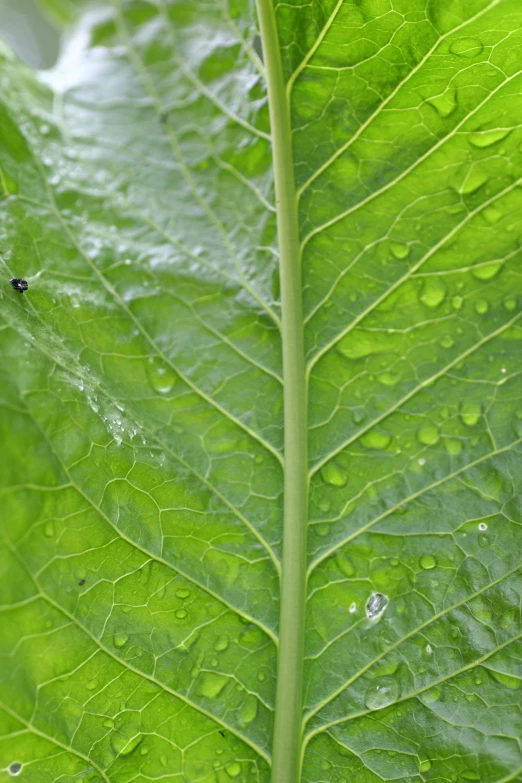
(81, 582)
(19, 284)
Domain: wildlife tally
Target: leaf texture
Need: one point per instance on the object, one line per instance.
(142, 394)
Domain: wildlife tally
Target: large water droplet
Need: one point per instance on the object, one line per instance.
(486, 271)
(400, 250)
(425, 765)
(161, 376)
(376, 605)
(210, 684)
(248, 710)
(382, 693)
(428, 435)
(375, 440)
(433, 292)
(120, 639)
(444, 104)
(334, 474)
(466, 47)
(487, 138)
(123, 746)
(427, 562)
(507, 680)
(234, 769)
(470, 413)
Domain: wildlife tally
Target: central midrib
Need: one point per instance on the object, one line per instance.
(287, 740)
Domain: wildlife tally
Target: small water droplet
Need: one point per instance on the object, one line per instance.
(400, 250)
(422, 461)
(211, 684)
(261, 676)
(447, 342)
(49, 530)
(353, 608)
(108, 723)
(466, 47)
(510, 303)
(248, 710)
(493, 215)
(470, 413)
(381, 694)
(234, 769)
(473, 181)
(428, 435)
(482, 526)
(120, 639)
(92, 684)
(488, 138)
(221, 643)
(124, 746)
(433, 293)
(180, 614)
(182, 593)
(453, 446)
(425, 766)
(14, 768)
(334, 474)
(376, 605)
(161, 376)
(444, 104)
(481, 306)
(456, 302)
(483, 541)
(344, 564)
(427, 562)
(487, 271)
(376, 440)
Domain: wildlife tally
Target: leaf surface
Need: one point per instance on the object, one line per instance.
(142, 394)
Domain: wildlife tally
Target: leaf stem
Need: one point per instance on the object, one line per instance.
(286, 766)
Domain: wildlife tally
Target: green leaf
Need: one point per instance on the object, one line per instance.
(196, 224)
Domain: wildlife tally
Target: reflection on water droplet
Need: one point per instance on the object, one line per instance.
(49, 530)
(120, 639)
(482, 526)
(381, 694)
(481, 306)
(466, 47)
(334, 474)
(486, 271)
(400, 250)
(470, 413)
(433, 292)
(427, 562)
(161, 376)
(376, 605)
(428, 435)
(14, 768)
(376, 440)
(234, 769)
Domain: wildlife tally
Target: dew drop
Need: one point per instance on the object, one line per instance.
(470, 413)
(345, 565)
(161, 376)
(428, 435)
(49, 530)
(261, 676)
(182, 593)
(481, 306)
(456, 302)
(444, 104)
(453, 446)
(120, 639)
(210, 685)
(488, 138)
(353, 608)
(447, 342)
(248, 710)
(14, 768)
(466, 47)
(358, 415)
(108, 723)
(474, 180)
(221, 643)
(433, 293)
(324, 505)
(92, 684)
(400, 250)
(234, 769)
(376, 440)
(376, 605)
(381, 694)
(427, 562)
(510, 303)
(123, 746)
(180, 614)
(493, 215)
(483, 541)
(425, 766)
(334, 474)
(486, 271)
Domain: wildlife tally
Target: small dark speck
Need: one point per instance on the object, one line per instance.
(19, 284)
(81, 582)
(222, 733)
(164, 117)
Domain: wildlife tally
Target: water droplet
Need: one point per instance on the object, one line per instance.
(425, 766)
(381, 694)
(108, 723)
(234, 769)
(324, 505)
(473, 181)
(493, 215)
(144, 751)
(456, 302)
(376, 605)
(248, 710)
(182, 593)
(487, 271)
(470, 413)
(507, 680)
(453, 446)
(358, 415)
(214, 662)
(120, 639)
(400, 250)
(210, 685)
(389, 378)
(422, 461)
(180, 614)
(376, 440)
(14, 768)
(261, 676)
(353, 608)
(344, 564)
(92, 684)
(433, 292)
(49, 530)
(444, 104)
(508, 618)
(429, 649)
(470, 775)
(427, 562)
(488, 138)
(481, 306)
(466, 47)
(510, 303)
(482, 526)
(483, 541)
(428, 435)
(447, 342)
(161, 376)
(334, 474)
(221, 643)
(124, 746)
